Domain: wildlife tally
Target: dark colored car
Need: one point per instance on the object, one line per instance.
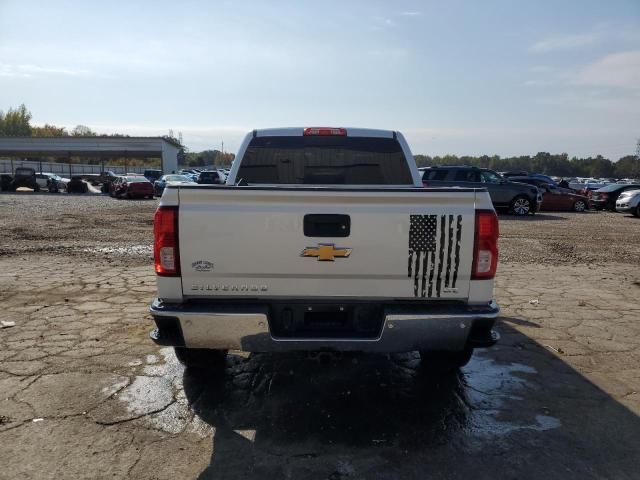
(24, 177)
(555, 198)
(131, 186)
(518, 173)
(77, 185)
(606, 197)
(152, 175)
(210, 177)
(539, 176)
(5, 182)
(519, 198)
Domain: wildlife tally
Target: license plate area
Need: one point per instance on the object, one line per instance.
(325, 321)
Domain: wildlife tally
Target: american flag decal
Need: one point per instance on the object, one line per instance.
(434, 253)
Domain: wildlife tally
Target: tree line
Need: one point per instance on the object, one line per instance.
(543, 162)
(16, 122)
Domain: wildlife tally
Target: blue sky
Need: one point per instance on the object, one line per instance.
(461, 77)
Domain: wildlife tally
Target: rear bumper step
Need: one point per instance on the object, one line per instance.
(264, 328)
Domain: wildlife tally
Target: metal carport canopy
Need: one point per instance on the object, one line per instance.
(140, 147)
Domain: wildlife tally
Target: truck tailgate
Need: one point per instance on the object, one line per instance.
(410, 243)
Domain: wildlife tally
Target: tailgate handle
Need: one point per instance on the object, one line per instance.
(327, 225)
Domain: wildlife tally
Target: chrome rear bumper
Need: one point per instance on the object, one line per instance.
(247, 328)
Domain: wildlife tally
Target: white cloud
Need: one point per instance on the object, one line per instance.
(30, 71)
(196, 137)
(410, 14)
(608, 84)
(620, 70)
(564, 42)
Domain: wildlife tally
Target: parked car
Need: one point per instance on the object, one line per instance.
(514, 173)
(107, 179)
(77, 185)
(519, 198)
(44, 180)
(5, 182)
(583, 187)
(606, 197)
(629, 201)
(152, 175)
(210, 177)
(556, 198)
(192, 174)
(24, 177)
(540, 176)
(158, 185)
(339, 278)
(131, 187)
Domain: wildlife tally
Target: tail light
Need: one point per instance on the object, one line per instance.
(325, 131)
(165, 242)
(603, 195)
(485, 248)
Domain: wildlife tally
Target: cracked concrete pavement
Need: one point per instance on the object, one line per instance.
(85, 394)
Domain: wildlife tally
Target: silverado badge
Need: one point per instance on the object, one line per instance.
(326, 252)
(202, 266)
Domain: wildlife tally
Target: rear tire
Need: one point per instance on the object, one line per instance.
(521, 206)
(636, 212)
(201, 358)
(579, 206)
(446, 361)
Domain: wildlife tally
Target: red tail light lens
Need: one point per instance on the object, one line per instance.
(325, 131)
(485, 249)
(165, 242)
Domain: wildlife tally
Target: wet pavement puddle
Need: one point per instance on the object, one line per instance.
(356, 399)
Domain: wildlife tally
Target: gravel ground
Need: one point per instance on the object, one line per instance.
(77, 225)
(84, 393)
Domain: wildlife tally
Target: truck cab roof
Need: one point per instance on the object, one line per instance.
(300, 131)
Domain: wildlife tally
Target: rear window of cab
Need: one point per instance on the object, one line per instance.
(324, 160)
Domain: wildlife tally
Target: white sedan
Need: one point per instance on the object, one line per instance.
(629, 201)
(43, 179)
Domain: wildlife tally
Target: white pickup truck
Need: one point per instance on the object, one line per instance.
(324, 239)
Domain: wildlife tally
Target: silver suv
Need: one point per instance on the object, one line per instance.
(519, 198)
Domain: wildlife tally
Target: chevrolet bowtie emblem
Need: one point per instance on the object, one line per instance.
(326, 252)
